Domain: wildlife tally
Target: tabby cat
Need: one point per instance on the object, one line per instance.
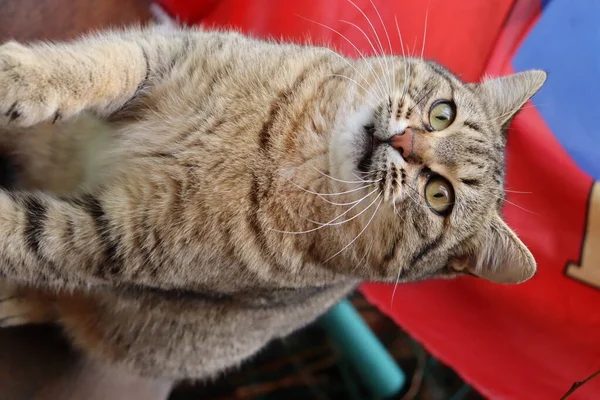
(175, 199)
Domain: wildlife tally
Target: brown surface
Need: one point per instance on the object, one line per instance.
(35, 363)
(25, 20)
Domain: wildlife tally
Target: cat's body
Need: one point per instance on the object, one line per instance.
(165, 235)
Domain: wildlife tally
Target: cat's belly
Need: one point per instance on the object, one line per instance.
(187, 337)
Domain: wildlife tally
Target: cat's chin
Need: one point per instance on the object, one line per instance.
(349, 143)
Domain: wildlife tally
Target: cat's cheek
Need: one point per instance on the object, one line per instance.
(343, 155)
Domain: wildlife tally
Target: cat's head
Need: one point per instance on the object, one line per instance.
(430, 155)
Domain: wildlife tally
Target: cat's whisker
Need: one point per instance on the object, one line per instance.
(415, 201)
(398, 212)
(422, 98)
(406, 81)
(396, 285)
(374, 171)
(351, 218)
(354, 68)
(370, 176)
(518, 206)
(367, 174)
(330, 223)
(357, 84)
(418, 200)
(360, 53)
(388, 39)
(348, 203)
(343, 181)
(395, 209)
(378, 40)
(425, 29)
(503, 116)
(365, 256)
(516, 191)
(331, 194)
(370, 43)
(400, 37)
(406, 63)
(360, 233)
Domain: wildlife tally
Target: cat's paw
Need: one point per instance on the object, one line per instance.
(28, 94)
(17, 308)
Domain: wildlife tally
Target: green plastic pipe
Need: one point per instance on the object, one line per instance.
(378, 370)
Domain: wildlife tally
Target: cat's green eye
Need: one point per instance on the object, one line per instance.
(441, 115)
(439, 195)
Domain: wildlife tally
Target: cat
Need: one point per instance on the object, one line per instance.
(177, 198)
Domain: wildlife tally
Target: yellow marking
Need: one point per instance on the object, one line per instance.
(589, 269)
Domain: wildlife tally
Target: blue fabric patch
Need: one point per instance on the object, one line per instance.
(566, 44)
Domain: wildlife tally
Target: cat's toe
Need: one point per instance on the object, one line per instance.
(26, 93)
(18, 309)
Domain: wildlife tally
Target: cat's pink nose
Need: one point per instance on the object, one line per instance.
(403, 142)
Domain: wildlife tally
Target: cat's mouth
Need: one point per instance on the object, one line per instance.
(372, 142)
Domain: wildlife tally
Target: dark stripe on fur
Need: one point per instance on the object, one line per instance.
(476, 164)
(254, 222)
(180, 55)
(147, 75)
(391, 253)
(112, 263)
(472, 125)
(445, 75)
(479, 151)
(471, 181)
(426, 249)
(299, 119)
(69, 233)
(420, 228)
(426, 92)
(284, 99)
(258, 299)
(35, 214)
(156, 251)
(124, 111)
(443, 72)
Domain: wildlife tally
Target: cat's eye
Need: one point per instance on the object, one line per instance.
(439, 195)
(441, 115)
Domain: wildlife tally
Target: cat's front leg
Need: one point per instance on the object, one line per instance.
(93, 240)
(100, 73)
(41, 83)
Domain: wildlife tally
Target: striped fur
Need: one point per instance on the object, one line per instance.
(163, 178)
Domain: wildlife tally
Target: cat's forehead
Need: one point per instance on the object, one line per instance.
(426, 81)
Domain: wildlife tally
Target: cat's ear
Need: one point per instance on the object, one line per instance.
(506, 95)
(499, 256)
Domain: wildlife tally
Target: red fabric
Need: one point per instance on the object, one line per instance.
(522, 17)
(463, 50)
(529, 341)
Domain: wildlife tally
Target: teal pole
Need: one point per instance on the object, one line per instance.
(378, 370)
